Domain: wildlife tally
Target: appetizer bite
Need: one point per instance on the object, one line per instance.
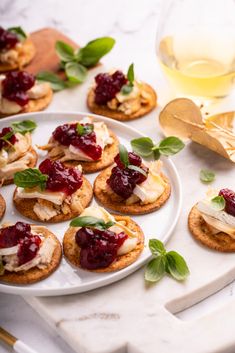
(28, 253)
(2, 206)
(87, 143)
(121, 96)
(132, 186)
(101, 242)
(51, 193)
(16, 49)
(16, 151)
(21, 93)
(212, 220)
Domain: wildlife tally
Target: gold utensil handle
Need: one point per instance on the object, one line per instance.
(7, 337)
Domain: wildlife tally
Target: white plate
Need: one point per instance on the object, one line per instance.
(66, 279)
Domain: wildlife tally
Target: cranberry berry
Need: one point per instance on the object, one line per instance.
(15, 86)
(67, 135)
(8, 40)
(98, 247)
(133, 158)
(107, 86)
(28, 249)
(11, 235)
(12, 140)
(60, 178)
(229, 197)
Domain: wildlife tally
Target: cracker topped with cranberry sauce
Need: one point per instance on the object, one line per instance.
(86, 142)
(16, 49)
(21, 93)
(51, 193)
(132, 186)
(121, 96)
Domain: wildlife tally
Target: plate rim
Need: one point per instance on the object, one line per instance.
(114, 276)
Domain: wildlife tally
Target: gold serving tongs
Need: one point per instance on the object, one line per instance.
(15, 343)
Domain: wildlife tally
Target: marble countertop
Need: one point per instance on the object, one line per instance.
(133, 24)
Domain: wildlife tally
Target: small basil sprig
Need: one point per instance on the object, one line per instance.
(87, 221)
(218, 203)
(30, 178)
(84, 129)
(164, 262)
(7, 136)
(19, 32)
(207, 176)
(24, 126)
(123, 154)
(76, 61)
(126, 89)
(145, 147)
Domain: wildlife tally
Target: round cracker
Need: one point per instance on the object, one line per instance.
(25, 206)
(35, 274)
(118, 115)
(116, 203)
(2, 206)
(110, 151)
(200, 230)
(34, 105)
(32, 164)
(27, 54)
(72, 250)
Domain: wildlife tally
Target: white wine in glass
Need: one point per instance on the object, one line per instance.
(196, 46)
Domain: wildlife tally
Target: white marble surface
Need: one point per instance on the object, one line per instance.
(127, 306)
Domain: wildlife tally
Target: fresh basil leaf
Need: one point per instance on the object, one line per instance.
(95, 50)
(126, 89)
(7, 136)
(177, 266)
(156, 247)
(138, 169)
(2, 270)
(130, 74)
(155, 269)
(19, 32)
(123, 154)
(156, 154)
(142, 146)
(30, 178)
(170, 146)
(87, 221)
(75, 72)
(80, 129)
(64, 51)
(24, 126)
(57, 84)
(84, 129)
(207, 176)
(218, 203)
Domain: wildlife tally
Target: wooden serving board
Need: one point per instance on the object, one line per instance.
(46, 58)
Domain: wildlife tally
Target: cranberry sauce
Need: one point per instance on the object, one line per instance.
(11, 140)
(229, 197)
(15, 86)
(20, 234)
(123, 180)
(98, 247)
(60, 178)
(67, 134)
(8, 40)
(107, 86)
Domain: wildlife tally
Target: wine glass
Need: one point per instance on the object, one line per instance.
(195, 46)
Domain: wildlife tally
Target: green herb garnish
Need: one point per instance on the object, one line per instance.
(19, 32)
(24, 126)
(207, 176)
(87, 221)
(126, 89)
(145, 147)
(123, 155)
(76, 61)
(164, 262)
(84, 129)
(30, 178)
(7, 136)
(218, 203)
